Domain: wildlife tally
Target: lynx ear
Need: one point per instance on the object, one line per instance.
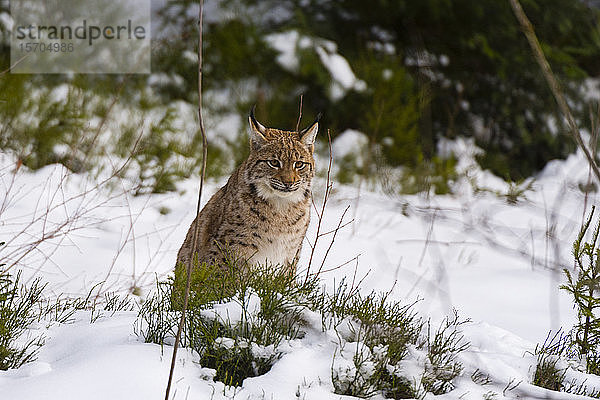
(257, 131)
(308, 135)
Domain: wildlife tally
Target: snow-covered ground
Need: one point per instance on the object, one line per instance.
(498, 264)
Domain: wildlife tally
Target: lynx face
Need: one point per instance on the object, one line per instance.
(281, 163)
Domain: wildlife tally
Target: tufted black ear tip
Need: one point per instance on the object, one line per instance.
(252, 113)
(316, 121)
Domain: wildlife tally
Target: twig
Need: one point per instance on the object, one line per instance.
(332, 240)
(299, 113)
(355, 258)
(552, 82)
(14, 65)
(325, 198)
(57, 230)
(594, 145)
(337, 229)
(196, 223)
(428, 238)
(511, 385)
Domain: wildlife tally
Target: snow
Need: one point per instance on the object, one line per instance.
(94, 361)
(162, 79)
(343, 78)
(285, 44)
(349, 142)
(496, 263)
(232, 312)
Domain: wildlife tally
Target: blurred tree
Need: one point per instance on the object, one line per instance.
(467, 61)
(79, 119)
(473, 63)
(406, 73)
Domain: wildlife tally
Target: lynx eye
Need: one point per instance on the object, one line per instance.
(300, 165)
(274, 163)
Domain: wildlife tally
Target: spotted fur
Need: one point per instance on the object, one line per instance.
(262, 213)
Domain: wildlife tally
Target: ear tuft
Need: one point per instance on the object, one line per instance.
(257, 131)
(308, 135)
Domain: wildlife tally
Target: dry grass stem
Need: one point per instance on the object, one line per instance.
(202, 176)
(538, 54)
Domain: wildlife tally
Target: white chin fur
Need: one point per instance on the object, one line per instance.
(277, 197)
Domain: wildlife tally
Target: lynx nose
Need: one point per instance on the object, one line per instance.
(289, 185)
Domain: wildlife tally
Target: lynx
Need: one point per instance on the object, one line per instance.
(262, 213)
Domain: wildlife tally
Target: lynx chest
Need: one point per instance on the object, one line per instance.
(273, 235)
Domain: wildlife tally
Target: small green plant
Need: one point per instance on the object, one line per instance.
(443, 347)
(238, 319)
(382, 333)
(547, 373)
(362, 372)
(164, 210)
(21, 306)
(18, 310)
(156, 321)
(581, 345)
(490, 395)
(376, 335)
(235, 319)
(517, 191)
(585, 289)
(581, 389)
(62, 309)
(555, 357)
(480, 377)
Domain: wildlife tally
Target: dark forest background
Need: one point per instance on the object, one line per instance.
(429, 70)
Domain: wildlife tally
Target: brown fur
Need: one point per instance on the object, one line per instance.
(262, 213)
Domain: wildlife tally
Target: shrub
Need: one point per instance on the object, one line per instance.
(581, 346)
(442, 347)
(21, 306)
(18, 310)
(87, 124)
(517, 191)
(547, 374)
(376, 335)
(555, 357)
(382, 336)
(237, 321)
